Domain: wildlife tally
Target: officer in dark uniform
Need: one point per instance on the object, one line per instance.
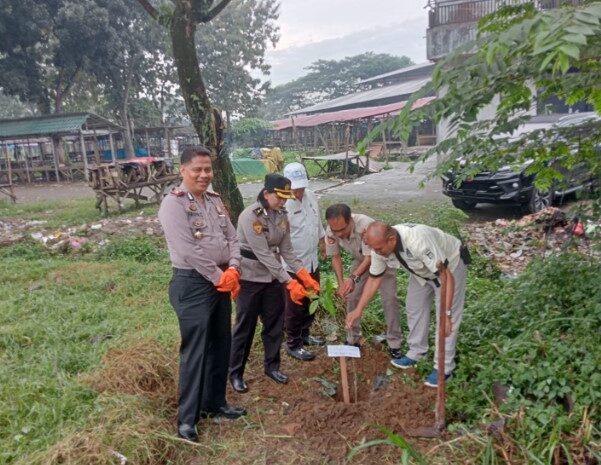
(205, 255)
(264, 233)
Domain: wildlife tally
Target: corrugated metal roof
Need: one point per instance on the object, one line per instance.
(346, 115)
(395, 91)
(53, 124)
(426, 67)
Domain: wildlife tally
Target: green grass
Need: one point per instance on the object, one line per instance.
(67, 212)
(53, 311)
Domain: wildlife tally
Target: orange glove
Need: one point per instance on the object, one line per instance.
(307, 280)
(297, 292)
(236, 291)
(229, 280)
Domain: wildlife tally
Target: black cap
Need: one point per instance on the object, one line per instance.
(279, 184)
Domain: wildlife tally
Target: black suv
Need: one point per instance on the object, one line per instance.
(516, 187)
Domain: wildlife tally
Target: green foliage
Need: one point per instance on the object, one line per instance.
(328, 79)
(139, 249)
(231, 49)
(407, 450)
(535, 335)
(249, 131)
(521, 58)
(325, 299)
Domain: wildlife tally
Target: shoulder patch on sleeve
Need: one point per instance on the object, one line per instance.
(258, 227)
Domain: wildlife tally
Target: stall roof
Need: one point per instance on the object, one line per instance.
(346, 115)
(48, 125)
(404, 74)
(368, 97)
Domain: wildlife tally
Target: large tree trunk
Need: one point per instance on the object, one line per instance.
(125, 122)
(207, 120)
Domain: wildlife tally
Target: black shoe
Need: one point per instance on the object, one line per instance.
(238, 384)
(301, 354)
(395, 353)
(314, 341)
(227, 411)
(187, 432)
(277, 376)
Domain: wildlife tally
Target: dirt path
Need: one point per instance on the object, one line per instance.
(387, 187)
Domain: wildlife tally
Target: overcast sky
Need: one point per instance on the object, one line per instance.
(334, 29)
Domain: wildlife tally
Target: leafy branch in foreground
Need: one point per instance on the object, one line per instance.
(407, 450)
(520, 59)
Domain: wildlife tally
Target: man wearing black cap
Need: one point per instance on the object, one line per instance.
(264, 234)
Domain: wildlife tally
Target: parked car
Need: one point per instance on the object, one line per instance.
(507, 186)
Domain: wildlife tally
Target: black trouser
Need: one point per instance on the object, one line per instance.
(297, 318)
(204, 316)
(264, 300)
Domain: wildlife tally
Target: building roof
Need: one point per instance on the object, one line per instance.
(409, 72)
(346, 115)
(382, 95)
(48, 125)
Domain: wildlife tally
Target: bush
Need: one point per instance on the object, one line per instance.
(539, 337)
(140, 249)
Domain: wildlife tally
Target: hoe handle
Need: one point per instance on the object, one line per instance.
(444, 326)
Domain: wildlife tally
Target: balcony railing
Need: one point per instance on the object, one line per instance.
(466, 11)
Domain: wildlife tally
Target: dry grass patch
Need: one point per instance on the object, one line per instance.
(129, 429)
(145, 368)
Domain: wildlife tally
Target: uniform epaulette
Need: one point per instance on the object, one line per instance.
(213, 193)
(178, 193)
(259, 211)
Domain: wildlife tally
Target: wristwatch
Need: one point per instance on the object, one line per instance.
(355, 278)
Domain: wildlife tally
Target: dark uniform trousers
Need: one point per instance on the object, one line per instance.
(258, 300)
(297, 318)
(204, 316)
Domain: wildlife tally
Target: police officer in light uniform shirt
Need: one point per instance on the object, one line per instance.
(306, 234)
(205, 255)
(345, 230)
(418, 249)
(264, 232)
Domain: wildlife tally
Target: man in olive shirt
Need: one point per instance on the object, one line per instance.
(345, 230)
(205, 255)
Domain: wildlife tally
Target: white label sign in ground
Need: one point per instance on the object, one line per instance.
(344, 351)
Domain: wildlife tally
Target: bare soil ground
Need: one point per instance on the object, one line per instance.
(298, 423)
(302, 424)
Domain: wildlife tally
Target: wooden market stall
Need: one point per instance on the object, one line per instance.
(54, 148)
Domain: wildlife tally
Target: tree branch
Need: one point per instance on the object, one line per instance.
(150, 9)
(209, 15)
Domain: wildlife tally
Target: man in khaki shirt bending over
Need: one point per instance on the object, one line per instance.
(346, 229)
(418, 249)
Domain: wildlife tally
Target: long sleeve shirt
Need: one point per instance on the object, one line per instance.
(306, 229)
(199, 234)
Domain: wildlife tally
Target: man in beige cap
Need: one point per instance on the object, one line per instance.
(307, 235)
